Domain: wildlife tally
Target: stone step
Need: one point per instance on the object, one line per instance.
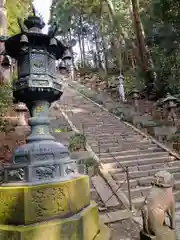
(177, 185)
(138, 192)
(145, 181)
(145, 161)
(116, 138)
(133, 157)
(122, 147)
(113, 170)
(100, 129)
(110, 136)
(133, 151)
(138, 202)
(118, 133)
(117, 168)
(117, 143)
(178, 206)
(111, 141)
(124, 131)
(146, 173)
(115, 216)
(105, 192)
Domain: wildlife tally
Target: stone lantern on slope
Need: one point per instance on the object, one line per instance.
(41, 194)
(37, 88)
(170, 104)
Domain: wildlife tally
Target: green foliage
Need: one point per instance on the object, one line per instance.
(175, 139)
(15, 9)
(91, 19)
(162, 26)
(110, 22)
(90, 163)
(133, 79)
(5, 98)
(3, 125)
(14, 76)
(61, 130)
(77, 142)
(5, 101)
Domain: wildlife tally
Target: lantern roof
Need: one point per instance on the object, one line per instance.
(32, 29)
(168, 98)
(133, 91)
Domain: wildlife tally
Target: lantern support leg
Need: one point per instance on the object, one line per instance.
(39, 121)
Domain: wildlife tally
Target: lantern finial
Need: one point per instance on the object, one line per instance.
(33, 10)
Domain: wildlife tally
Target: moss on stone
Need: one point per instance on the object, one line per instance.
(84, 226)
(31, 204)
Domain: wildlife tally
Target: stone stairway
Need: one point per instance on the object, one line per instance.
(117, 145)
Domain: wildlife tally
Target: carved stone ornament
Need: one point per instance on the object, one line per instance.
(16, 174)
(159, 202)
(46, 172)
(70, 169)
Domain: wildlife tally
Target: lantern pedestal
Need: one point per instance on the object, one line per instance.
(56, 211)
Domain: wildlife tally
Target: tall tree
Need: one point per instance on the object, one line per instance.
(3, 32)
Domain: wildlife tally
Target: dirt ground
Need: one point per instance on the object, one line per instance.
(125, 230)
(8, 143)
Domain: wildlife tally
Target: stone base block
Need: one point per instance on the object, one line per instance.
(82, 226)
(22, 205)
(166, 234)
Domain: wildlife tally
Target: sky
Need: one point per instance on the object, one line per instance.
(43, 7)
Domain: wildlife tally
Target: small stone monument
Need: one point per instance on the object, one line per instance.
(134, 94)
(170, 104)
(121, 88)
(22, 128)
(21, 110)
(159, 202)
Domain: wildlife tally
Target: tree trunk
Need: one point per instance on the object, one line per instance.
(98, 51)
(104, 46)
(80, 48)
(95, 60)
(120, 33)
(114, 53)
(72, 71)
(83, 51)
(105, 62)
(82, 41)
(140, 35)
(146, 59)
(4, 73)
